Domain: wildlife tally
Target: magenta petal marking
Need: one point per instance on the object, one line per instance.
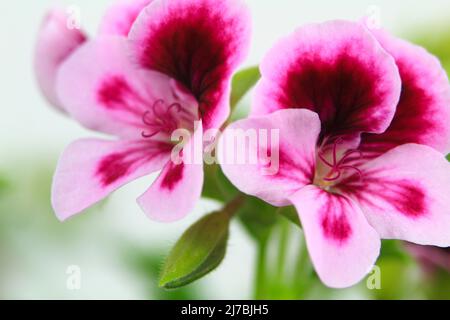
(335, 225)
(198, 43)
(406, 196)
(336, 69)
(177, 53)
(418, 118)
(173, 176)
(115, 166)
(114, 92)
(342, 92)
(423, 113)
(409, 199)
(342, 245)
(295, 170)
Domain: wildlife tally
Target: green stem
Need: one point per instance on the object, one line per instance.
(234, 205)
(302, 272)
(282, 250)
(261, 271)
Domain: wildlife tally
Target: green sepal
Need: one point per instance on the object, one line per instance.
(198, 252)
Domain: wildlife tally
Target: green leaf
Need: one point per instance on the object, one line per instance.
(242, 82)
(448, 157)
(290, 213)
(199, 251)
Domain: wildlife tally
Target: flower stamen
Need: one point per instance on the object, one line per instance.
(160, 118)
(337, 167)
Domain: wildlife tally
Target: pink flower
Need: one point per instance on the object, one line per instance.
(120, 16)
(55, 43)
(174, 68)
(59, 37)
(360, 155)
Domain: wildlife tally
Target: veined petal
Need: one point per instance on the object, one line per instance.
(104, 91)
(179, 186)
(120, 16)
(272, 156)
(405, 194)
(336, 69)
(197, 42)
(90, 169)
(423, 113)
(342, 245)
(56, 41)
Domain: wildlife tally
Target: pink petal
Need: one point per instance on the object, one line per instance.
(178, 188)
(55, 43)
(293, 158)
(342, 245)
(336, 69)
(423, 113)
(120, 16)
(91, 169)
(105, 92)
(197, 42)
(405, 194)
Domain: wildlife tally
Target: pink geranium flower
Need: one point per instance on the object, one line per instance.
(55, 43)
(173, 69)
(58, 38)
(361, 150)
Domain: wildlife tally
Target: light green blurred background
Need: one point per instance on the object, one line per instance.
(117, 248)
